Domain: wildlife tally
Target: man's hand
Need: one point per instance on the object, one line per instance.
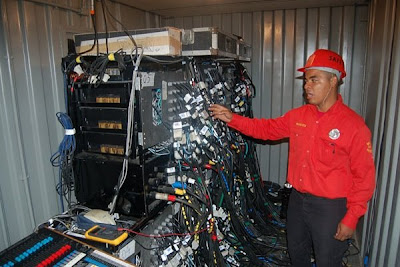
(343, 232)
(221, 113)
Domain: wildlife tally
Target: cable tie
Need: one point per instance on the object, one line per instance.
(70, 131)
(111, 57)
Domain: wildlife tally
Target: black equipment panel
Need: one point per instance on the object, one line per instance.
(155, 100)
(99, 113)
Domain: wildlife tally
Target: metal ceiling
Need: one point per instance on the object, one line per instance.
(179, 8)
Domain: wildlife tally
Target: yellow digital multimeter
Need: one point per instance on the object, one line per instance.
(106, 235)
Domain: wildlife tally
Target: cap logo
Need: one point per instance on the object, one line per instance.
(336, 59)
(334, 134)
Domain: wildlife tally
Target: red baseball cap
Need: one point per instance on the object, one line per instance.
(325, 59)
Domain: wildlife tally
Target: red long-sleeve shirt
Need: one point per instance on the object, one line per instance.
(330, 155)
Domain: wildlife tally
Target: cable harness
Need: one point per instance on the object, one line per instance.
(62, 159)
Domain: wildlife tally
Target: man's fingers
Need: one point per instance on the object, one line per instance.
(341, 235)
(220, 112)
(338, 237)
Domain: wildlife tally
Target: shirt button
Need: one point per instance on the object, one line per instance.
(301, 180)
(304, 166)
(308, 151)
(317, 122)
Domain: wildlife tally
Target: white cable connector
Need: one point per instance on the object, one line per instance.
(183, 140)
(204, 130)
(184, 115)
(199, 99)
(170, 170)
(219, 86)
(164, 257)
(202, 85)
(78, 70)
(205, 114)
(93, 79)
(195, 114)
(177, 130)
(106, 77)
(178, 156)
(195, 245)
(171, 178)
(168, 250)
(187, 98)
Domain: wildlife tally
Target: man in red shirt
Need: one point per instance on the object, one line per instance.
(331, 166)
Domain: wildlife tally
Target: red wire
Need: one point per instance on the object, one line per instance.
(73, 84)
(163, 235)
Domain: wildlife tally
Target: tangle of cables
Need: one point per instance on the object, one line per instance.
(215, 178)
(62, 159)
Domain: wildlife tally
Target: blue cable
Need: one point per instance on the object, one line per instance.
(264, 259)
(179, 185)
(249, 231)
(179, 165)
(225, 181)
(366, 261)
(65, 150)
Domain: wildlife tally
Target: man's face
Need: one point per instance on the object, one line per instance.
(319, 88)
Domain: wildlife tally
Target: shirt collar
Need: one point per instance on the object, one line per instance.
(338, 103)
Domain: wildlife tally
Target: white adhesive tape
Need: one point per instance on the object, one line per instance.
(70, 131)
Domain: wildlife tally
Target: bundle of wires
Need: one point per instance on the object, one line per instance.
(217, 177)
(130, 131)
(62, 159)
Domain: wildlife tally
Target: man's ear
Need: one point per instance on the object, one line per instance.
(334, 81)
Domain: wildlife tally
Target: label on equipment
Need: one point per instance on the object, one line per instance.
(147, 78)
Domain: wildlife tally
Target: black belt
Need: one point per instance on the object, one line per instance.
(308, 195)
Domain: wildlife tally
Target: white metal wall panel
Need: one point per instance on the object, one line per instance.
(281, 41)
(33, 39)
(12, 169)
(382, 234)
(16, 184)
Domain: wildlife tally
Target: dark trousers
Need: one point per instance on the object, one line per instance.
(311, 223)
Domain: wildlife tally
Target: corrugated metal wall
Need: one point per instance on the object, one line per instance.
(382, 233)
(33, 39)
(281, 41)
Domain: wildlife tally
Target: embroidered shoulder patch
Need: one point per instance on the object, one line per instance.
(369, 147)
(301, 124)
